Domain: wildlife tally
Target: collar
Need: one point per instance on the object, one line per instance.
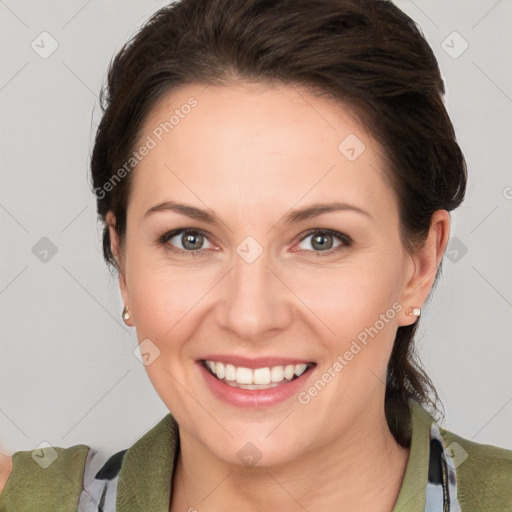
(146, 474)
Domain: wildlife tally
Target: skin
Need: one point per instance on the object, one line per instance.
(5, 469)
(250, 153)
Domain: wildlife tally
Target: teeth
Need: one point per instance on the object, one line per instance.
(300, 369)
(259, 378)
(230, 372)
(289, 371)
(277, 374)
(253, 386)
(220, 370)
(243, 375)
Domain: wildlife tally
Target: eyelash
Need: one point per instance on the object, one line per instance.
(164, 238)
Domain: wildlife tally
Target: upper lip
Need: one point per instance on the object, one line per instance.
(256, 362)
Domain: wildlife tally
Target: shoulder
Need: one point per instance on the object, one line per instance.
(484, 473)
(5, 469)
(53, 478)
(50, 475)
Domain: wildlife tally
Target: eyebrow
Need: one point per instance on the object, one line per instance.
(293, 217)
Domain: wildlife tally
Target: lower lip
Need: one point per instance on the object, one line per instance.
(254, 398)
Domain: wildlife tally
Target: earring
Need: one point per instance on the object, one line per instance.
(413, 311)
(126, 314)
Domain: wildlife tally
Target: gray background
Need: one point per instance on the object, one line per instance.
(68, 373)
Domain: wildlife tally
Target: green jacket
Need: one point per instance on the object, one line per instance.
(483, 473)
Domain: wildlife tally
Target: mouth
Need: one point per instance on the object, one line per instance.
(256, 378)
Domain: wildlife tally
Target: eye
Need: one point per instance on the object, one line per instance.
(322, 241)
(190, 241)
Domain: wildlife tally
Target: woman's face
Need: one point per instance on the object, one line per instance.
(255, 283)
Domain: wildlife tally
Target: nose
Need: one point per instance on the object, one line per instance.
(255, 303)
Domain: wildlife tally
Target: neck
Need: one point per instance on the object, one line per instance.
(363, 470)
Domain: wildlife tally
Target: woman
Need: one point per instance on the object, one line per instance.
(275, 181)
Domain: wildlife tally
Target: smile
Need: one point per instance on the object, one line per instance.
(255, 378)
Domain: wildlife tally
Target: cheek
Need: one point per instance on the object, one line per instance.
(346, 300)
(338, 302)
(160, 300)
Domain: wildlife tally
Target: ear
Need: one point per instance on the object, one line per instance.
(424, 264)
(110, 222)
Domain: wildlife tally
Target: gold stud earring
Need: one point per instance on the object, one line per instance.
(413, 311)
(126, 314)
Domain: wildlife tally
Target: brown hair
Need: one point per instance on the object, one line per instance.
(366, 54)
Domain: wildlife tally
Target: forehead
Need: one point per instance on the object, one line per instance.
(257, 143)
